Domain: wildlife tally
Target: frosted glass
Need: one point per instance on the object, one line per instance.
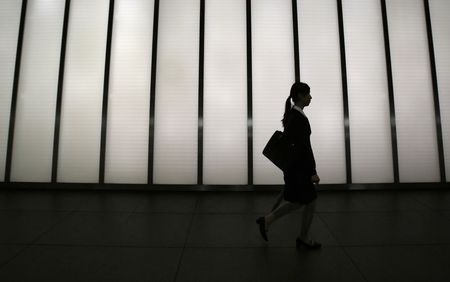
(36, 101)
(439, 10)
(415, 118)
(320, 67)
(368, 99)
(176, 101)
(81, 109)
(225, 93)
(273, 75)
(129, 93)
(9, 32)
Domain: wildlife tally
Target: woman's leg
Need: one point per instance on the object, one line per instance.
(308, 215)
(278, 200)
(282, 210)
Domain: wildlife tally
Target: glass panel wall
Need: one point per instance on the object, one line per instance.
(126, 159)
(81, 109)
(9, 32)
(225, 93)
(36, 97)
(413, 92)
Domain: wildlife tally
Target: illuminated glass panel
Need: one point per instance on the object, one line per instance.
(273, 75)
(9, 30)
(36, 100)
(414, 108)
(440, 21)
(81, 110)
(368, 99)
(225, 93)
(176, 101)
(126, 158)
(320, 67)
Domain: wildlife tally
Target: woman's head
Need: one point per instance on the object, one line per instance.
(299, 91)
(299, 95)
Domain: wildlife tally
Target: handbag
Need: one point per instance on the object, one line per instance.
(278, 149)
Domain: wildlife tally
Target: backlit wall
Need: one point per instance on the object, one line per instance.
(190, 91)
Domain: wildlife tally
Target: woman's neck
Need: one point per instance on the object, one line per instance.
(300, 106)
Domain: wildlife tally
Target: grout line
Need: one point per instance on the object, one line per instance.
(95, 246)
(223, 247)
(354, 263)
(32, 243)
(343, 249)
(64, 217)
(186, 241)
(24, 246)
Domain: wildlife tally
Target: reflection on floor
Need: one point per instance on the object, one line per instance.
(212, 236)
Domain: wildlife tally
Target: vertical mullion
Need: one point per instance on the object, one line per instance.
(105, 93)
(437, 110)
(391, 91)
(249, 96)
(296, 48)
(200, 93)
(152, 92)
(12, 118)
(62, 61)
(345, 93)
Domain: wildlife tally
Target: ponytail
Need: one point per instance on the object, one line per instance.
(287, 107)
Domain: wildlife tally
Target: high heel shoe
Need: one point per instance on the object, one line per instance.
(310, 244)
(261, 221)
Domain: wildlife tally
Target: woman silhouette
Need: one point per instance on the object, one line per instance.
(300, 175)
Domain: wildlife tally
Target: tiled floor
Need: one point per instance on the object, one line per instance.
(212, 236)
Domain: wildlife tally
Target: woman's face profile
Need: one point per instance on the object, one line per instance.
(304, 100)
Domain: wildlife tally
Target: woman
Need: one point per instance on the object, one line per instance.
(300, 175)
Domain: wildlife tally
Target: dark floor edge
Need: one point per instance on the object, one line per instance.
(218, 188)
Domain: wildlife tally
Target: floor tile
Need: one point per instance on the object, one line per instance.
(86, 228)
(162, 230)
(336, 201)
(7, 252)
(39, 200)
(403, 263)
(172, 202)
(140, 236)
(62, 263)
(354, 201)
(446, 214)
(436, 199)
(266, 264)
(388, 228)
(22, 227)
(104, 201)
(236, 202)
(232, 230)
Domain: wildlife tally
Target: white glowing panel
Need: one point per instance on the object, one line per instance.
(9, 33)
(320, 67)
(176, 104)
(36, 100)
(368, 98)
(81, 109)
(440, 21)
(126, 158)
(414, 108)
(225, 93)
(273, 75)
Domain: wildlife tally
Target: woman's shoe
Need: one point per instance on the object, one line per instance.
(310, 244)
(262, 227)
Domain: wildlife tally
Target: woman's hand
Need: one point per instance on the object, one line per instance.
(315, 179)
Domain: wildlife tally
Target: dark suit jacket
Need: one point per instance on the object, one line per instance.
(298, 131)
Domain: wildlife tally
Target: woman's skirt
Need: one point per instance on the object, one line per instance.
(299, 188)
